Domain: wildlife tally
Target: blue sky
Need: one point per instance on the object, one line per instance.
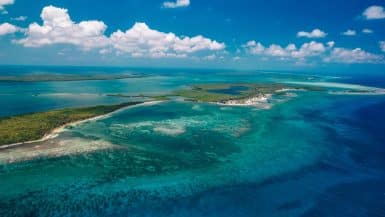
(269, 34)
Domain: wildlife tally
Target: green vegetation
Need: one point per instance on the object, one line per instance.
(202, 95)
(157, 97)
(66, 77)
(223, 92)
(34, 126)
(220, 92)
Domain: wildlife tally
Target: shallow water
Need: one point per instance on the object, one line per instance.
(24, 97)
(310, 154)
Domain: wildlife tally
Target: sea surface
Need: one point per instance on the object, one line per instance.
(309, 153)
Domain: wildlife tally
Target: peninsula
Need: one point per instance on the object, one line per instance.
(34, 126)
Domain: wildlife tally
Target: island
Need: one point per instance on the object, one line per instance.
(227, 93)
(34, 126)
(27, 128)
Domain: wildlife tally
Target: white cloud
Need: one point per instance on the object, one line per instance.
(3, 3)
(141, 41)
(291, 47)
(349, 32)
(20, 18)
(309, 49)
(313, 51)
(7, 28)
(177, 4)
(290, 51)
(316, 33)
(382, 46)
(254, 48)
(58, 28)
(367, 31)
(276, 51)
(343, 55)
(374, 12)
(138, 41)
(330, 44)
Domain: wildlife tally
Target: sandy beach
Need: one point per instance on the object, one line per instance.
(252, 101)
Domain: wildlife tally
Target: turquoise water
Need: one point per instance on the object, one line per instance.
(310, 154)
(24, 97)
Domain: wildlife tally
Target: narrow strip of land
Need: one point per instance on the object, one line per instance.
(16, 130)
(43, 77)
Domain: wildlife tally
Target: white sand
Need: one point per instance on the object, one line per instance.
(253, 101)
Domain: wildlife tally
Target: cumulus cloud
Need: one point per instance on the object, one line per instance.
(316, 33)
(309, 49)
(343, 55)
(349, 32)
(254, 48)
(314, 50)
(138, 41)
(382, 46)
(141, 41)
(367, 31)
(7, 28)
(58, 28)
(290, 51)
(3, 3)
(177, 4)
(276, 51)
(374, 12)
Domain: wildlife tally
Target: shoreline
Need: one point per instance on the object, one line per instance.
(56, 131)
(251, 101)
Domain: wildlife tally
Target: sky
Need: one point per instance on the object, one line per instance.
(252, 34)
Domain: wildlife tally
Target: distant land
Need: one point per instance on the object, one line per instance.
(42, 77)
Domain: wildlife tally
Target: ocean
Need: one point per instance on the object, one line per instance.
(310, 153)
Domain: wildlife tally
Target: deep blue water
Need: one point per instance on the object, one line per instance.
(315, 154)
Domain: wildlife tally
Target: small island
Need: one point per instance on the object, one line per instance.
(234, 93)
